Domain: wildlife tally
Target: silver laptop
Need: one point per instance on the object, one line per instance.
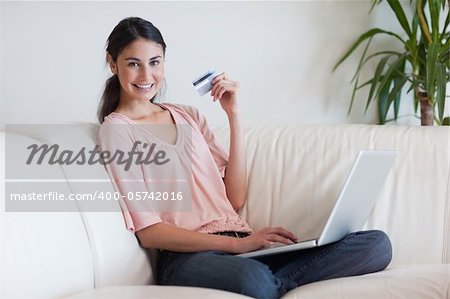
(353, 205)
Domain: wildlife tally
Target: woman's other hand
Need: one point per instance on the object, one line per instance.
(265, 237)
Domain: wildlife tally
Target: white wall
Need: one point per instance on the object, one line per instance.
(281, 52)
(2, 103)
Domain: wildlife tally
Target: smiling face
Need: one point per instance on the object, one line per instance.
(140, 69)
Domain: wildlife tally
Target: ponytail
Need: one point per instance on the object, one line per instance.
(110, 98)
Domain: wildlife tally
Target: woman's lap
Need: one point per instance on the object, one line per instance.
(272, 276)
(218, 270)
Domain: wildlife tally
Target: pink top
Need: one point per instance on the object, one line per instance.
(189, 186)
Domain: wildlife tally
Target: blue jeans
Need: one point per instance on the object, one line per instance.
(272, 276)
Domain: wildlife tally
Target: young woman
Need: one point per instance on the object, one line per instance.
(196, 245)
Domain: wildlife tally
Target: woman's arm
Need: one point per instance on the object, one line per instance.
(225, 90)
(236, 172)
(169, 237)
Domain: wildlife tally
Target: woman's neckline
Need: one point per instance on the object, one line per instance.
(139, 125)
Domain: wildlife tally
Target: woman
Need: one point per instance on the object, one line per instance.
(197, 244)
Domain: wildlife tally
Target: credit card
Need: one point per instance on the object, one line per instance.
(203, 83)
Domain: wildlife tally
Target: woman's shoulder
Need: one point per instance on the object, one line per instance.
(115, 118)
(114, 124)
(180, 107)
(185, 110)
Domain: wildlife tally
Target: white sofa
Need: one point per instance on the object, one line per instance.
(295, 173)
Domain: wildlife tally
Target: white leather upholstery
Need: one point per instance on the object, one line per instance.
(44, 255)
(409, 281)
(111, 245)
(155, 292)
(295, 173)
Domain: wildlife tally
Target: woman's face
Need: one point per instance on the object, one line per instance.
(140, 69)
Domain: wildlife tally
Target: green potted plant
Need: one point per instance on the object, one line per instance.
(422, 66)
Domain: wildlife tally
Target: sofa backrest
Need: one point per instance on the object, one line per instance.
(296, 172)
(38, 256)
(54, 254)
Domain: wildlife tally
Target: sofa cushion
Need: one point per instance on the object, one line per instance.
(410, 281)
(446, 257)
(156, 292)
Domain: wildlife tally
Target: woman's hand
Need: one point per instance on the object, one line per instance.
(225, 90)
(263, 238)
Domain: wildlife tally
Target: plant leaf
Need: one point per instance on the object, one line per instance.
(421, 55)
(434, 8)
(374, 2)
(416, 102)
(355, 86)
(415, 25)
(363, 37)
(399, 79)
(376, 54)
(360, 64)
(411, 87)
(398, 10)
(444, 53)
(432, 57)
(395, 94)
(391, 73)
(376, 79)
(441, 82)
(446, 121)
(383, 104)
(446, 23)
(367, 83)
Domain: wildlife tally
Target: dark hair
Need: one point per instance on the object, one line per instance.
(127, 31)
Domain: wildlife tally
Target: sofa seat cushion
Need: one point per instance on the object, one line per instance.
(410, 281)
(155, 291)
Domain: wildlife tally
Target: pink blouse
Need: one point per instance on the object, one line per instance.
(183, 186)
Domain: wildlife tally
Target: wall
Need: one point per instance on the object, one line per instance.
(282, 54)
(2, 103)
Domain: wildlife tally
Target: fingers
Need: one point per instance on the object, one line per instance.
(267, 243)
(279, 239)
(222, 87)
(222, 84)
(280, 233)
(219, 77)
(217, 83)
(266, 237)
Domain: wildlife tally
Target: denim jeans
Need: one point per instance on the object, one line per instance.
(272, 276)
